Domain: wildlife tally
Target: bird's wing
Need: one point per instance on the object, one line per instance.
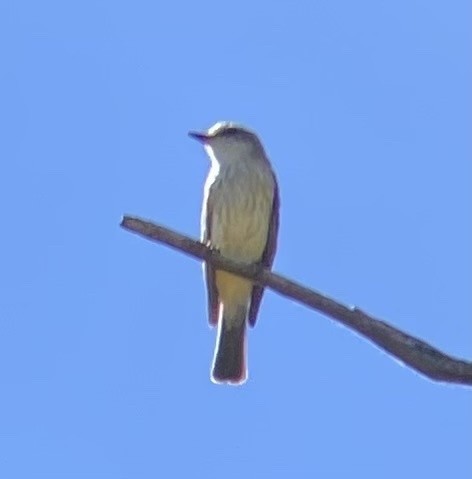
(267, 256)
(209, 272)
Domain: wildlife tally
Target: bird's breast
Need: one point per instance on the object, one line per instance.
(241, 211)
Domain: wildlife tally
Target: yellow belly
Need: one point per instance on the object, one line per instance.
(240, 216)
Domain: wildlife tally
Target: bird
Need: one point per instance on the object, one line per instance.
(240, 219)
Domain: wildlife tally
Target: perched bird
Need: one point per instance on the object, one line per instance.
(240, 219)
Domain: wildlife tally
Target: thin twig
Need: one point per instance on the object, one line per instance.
(412, 351)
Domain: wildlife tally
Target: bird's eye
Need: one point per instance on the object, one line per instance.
(231, 132)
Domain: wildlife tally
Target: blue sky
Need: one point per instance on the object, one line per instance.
(364, 108)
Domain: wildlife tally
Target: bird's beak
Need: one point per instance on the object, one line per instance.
(202, 137)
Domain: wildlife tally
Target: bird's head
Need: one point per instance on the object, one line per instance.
(226, 142)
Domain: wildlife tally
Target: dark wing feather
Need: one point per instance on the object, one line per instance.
(213, 303)
(267, 257)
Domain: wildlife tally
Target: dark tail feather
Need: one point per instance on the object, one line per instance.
(229, 364)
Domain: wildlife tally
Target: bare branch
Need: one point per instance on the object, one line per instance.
(412, 351)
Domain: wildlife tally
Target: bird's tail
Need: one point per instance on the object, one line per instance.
(229, 363)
